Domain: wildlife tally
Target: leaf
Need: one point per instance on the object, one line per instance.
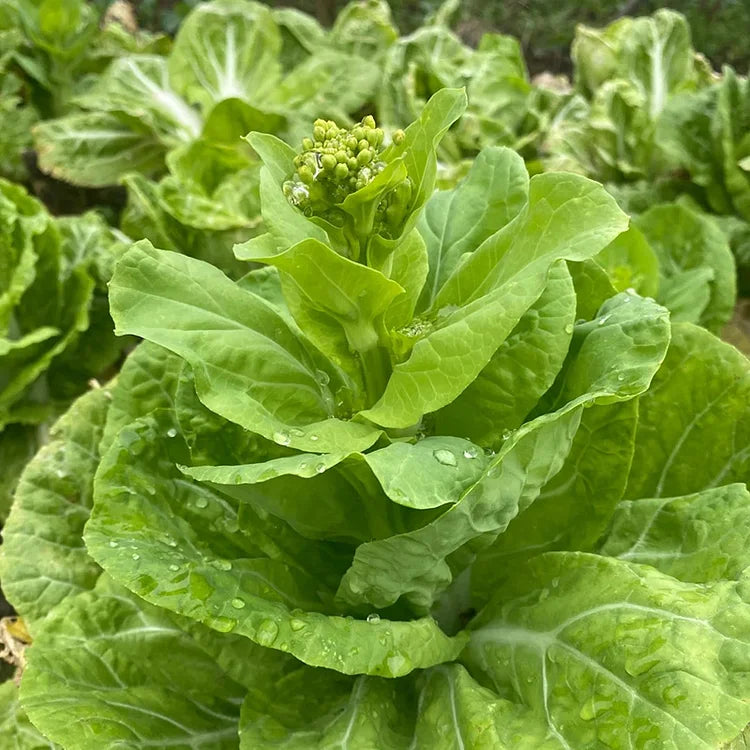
(614, 359)
(520, 371)
(52, 504)
(102, 674)
(96, 149)
(695, 538)
(16, 731)
(631, 263)
(246, 573)
(259, 373)
(692, 252)
(492, 290)
(139, 86)
(694, 424)
(340, 304)
(604, 651)
(226, 49)
(457, 221)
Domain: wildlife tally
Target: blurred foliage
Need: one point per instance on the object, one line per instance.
(545, 27)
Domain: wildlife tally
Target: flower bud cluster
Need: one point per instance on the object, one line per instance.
(334, 163)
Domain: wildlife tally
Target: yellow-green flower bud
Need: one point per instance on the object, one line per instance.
(369, 121)
(328, 161)
(351, 143)
(341, 171)
(363, 145)
(358, 133)
(364, 157)
(319, 133)
(398, 137)
(341, 157)
(307, 144)
(351, 162)
(320, 123)
(306, 174)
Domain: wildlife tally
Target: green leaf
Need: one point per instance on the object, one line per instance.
(521, 370)
(181, 304)
(696, 538)
(226, 49)
(96, 149)
(457, 221)
(16, 731)
(604, 651)
(696, 266)
(340, 304)
(242, 572)
(631, 263)
(486, 297)
(139, 86)
(102, 673)
(694, 422)
(52, 504)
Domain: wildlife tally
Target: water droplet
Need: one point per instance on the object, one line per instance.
(60, 474)
(267, 632)
(398, 664)
(373, 618)
(238, 603)
(282, 438)
(471, 452)
(174, 568)
(506, 434)
(569, 328)
(603, 319)
(630, 290)
(320, 468)
(445, 457)
(322, 378)
(296, 624)
(222, 564)
(314, 438)
(201, 502)
(112, 543)
(222, 624)
(171, 432)
(172, 542)
(621, 377)
(136, 556)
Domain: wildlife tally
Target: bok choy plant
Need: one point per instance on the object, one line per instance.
(424, 480)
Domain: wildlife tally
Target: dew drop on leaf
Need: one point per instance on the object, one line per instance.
(267, 632)
(296, 624)
(445, 457)
(174, 568)
(320, 468)
(569, 328)
(238, 603)
(373, 618)
(136, 556)
(171, 432)
(282, 438)
(471, 452)
(201, 502)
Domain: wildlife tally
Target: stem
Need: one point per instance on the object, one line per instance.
(376, 368)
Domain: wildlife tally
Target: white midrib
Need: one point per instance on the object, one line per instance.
(658, 84)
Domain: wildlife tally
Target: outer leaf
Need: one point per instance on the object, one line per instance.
(102, 674)
(696, 538)
(694, 425)
(52, 504)
(96, 149)
(604, 653)
(16, 731)
(226, 49)
(687, 243)
(247, 573)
